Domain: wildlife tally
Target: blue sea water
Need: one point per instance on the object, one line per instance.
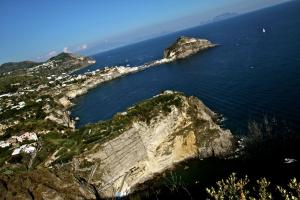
(250, 75)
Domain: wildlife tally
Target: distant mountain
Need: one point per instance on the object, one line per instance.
(63, 62)
(12, 66)
(63, 57)
(224, 16)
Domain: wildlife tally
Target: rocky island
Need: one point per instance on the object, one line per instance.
(40, 146)
(186, 46)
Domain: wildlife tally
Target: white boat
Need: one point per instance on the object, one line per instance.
(263, 30)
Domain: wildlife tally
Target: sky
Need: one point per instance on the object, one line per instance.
(40, 29)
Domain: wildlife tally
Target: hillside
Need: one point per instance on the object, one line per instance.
(117, 155)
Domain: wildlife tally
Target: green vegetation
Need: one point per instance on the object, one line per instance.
(11, 83)
(146, 110)
(239, 189)
(230, 188)
(100, 132)
(32, 98)
(12, 66)
(293, 191)
(34, 125)
(143, 111)
(32, 110)
(62, 57)
(49, 143)
(4, 155)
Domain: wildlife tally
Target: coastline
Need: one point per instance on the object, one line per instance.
(182, 48)
(153, 135)
(107, 74)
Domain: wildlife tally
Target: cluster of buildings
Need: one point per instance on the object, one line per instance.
(14, 141)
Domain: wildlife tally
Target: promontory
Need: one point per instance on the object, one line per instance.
(41, 147)
(186, 46)
(113, 157)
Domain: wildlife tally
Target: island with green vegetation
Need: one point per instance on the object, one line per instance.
(186, 46)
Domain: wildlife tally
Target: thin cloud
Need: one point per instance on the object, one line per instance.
(66, 50)
(47, 56)
(51, 54)
(83, 47)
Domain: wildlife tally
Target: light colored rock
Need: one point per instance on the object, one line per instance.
(26, 148)
(62, 118)
(144, 150)
(65, 101)
(186, 46)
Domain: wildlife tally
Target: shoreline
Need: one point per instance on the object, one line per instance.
(111, 73)
(100, 76)
(144, 133)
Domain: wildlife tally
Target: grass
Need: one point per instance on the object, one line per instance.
(101, 132)
(5, 153)
(144, 111)
(73, 143)
(7, 67)
(7, 81)
(31, 107)
(34, 125)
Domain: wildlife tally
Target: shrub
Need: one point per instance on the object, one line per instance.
(231, 188)
(293, 191)
(235, 189)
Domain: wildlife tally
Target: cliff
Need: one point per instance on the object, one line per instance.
(181, 128)
(113, 157)
(186, 46)
(109, 158)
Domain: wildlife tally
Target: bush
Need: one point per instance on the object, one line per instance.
(230, 188)
(235, 189)
(293, 191)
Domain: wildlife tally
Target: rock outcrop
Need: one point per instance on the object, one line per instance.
(186, 46)
(112, 158)
(145, 149)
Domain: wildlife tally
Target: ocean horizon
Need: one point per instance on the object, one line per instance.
(251, 75)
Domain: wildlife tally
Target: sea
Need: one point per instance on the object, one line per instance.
(251, 75)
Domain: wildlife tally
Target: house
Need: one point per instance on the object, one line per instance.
(4, 144)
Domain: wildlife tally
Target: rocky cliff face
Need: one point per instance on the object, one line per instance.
(145, 149)
(112, 158)
(186, 46)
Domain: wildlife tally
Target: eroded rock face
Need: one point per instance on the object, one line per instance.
(61, 117)
(145, 149)
(147, 139)
(186, 46)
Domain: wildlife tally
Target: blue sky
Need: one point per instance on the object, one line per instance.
(38, 29)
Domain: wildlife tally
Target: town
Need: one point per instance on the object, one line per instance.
(44, 93)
